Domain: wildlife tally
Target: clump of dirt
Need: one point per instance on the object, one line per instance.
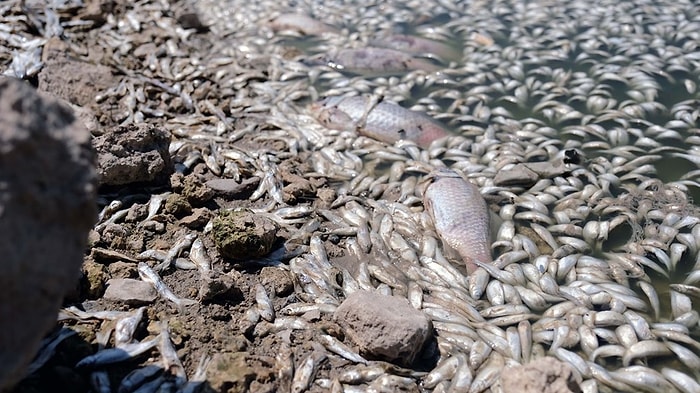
(240, 234)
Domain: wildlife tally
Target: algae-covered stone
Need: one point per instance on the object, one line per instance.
(177, 205)
(95, 275)
(243, 234)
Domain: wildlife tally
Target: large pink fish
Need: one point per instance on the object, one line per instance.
(460, 215)
(419, 46)
(373, 61)
(386, 121)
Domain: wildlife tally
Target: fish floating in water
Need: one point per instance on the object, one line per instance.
(301, 23)
(383, 121)
(419, 46)
(460, 215)
(373, 61)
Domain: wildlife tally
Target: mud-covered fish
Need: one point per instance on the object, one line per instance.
(460, 215)
(385, 121)
(373, 61)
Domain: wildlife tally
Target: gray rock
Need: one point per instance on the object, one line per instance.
(230, 188)
(527, 174)
(133, 154)
(130, 291)
(384, 327)
(519, 175)
(47, 207)
(544, 375)
(75, 81)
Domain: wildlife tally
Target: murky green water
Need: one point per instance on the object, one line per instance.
(671, 90)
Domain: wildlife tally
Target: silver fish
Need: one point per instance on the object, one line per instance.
(150, 276)
(460, 216)
(184, 244)
(334, 345)
(171, 360)
(385, 121)
(301, 23)
(125, 327)
(306, 371)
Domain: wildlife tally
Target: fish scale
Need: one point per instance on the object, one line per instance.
(460, 216)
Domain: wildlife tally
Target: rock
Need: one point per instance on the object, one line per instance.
(277, 281)
(136, 213)
(130, 291)
(114, 236)
(243, 234)
(296, 188)
(527, 174)
(106, 256)
(177, 205)
(95, 275)
(544, 375)
(234, 372)
(384, 327)
(97, 11)
(121, 269)
(133, 154)
(87, 117)
(231, 189)
(198, 219)
(195, 191)
(325, 197)
(75, 81)
(47, 205)
(518, 175)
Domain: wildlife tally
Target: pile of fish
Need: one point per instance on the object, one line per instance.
(522, 172)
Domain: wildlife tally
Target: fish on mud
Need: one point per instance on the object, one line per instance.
(384, 121)
(460, 215)
(418, 46)
(373, 61)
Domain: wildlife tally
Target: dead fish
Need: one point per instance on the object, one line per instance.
(150, 276)
(306, 371)
(460, 216)
(125, 327)
(301, 23)
(418, 45)
(385, 121)
(171, 360)
(373, 61)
